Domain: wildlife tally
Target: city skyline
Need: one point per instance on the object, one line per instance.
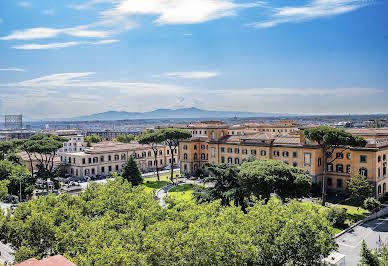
(65, 59)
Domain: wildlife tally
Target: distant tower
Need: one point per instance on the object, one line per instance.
(13, 121)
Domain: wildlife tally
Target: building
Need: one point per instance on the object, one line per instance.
(75, 141)
(109, 135)
(106, 157)
(216, 145)
(16, 134)
(35, 162)
(57, 260)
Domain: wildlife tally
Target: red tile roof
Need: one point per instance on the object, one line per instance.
(56, 260)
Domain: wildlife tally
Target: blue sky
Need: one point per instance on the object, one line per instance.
(69, 58)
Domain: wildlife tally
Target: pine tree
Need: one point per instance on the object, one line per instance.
(368, 258)
(131, 172)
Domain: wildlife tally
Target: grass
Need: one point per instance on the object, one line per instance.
(183, 192)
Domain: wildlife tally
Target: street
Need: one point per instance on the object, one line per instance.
(350, 242)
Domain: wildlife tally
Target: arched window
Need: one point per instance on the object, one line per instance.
(203, 156)
(339, 168)
(363, 171)
(384, 187)
(185, 147)
(195, 147)
(230, 160)
(123, 156)
(237, 161)
(195, 156)
(222, 134)
(185, 156)
(213, 135)
(202, 147)
(348, 169)
(379, 189)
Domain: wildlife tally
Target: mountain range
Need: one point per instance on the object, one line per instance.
(168, 114)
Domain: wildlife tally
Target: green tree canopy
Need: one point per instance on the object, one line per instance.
(329, 139)
(172, 136)
(359, 187)
(131, 172)
(3, 188)
(117, 224)
(16, 174)
(93, 139)
(263, 177)
(125, 138)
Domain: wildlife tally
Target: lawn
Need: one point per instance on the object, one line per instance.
(183, 192)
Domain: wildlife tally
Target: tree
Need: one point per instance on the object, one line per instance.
(337, 216)
(131, 172)
(226, 186)
(43, 147)
(4, 188)
(263, 177)
(172, 136)
(329, 139)
(20, 181)
(368, 258)
(359, 187)
(92, 139)
(372, 204)
(5, 147)
(154, 139)
(125, 138)
(118, 224)
(13, 157)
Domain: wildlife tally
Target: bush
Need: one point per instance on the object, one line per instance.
(337, 216)
(372, 204)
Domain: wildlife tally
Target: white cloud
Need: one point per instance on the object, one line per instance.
(43, 33)
(313, 9)
(25, 4)
(12, 69)
(178, 11)
(74, 80)
(1, 21)
(191, 75)
(48, 12)
(58, 45)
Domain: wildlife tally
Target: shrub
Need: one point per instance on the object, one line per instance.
(337, 216)
(372, 204)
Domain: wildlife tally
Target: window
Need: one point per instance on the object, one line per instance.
(384, 171)
(363, 171)
(378, 172)
(116, 157)
(379, 189)
(160, 152)
(307, 158)
(330, 168)
(236, 150)
(230, 160)
(213, 151)
(213, 135)
(319, 161)
(83, 161)
(109, 157)
(93, 171)
(89, 160)
(294, 154)
(203, 156)
(384, 187)
(285, 153)
(348, 169)
(384, 157)
(328, 154)
(362, 158)
(339, 155)
(222, 149)
(185, 167)
(102, 158)
(95, 159)
(379, 158)
(263, 153)
(222, 159)
(195, 147)
(339, 183)
(253, 152)
(339, 168)
(117, 167)
(237, 161)
(123, 157)
(102, 169)
(276, 153)
(329, 182)
(295, 164)
(185, 156)
(149, 163)
(195, 156)
(149, 154)
(244, 151)
(110, 168)
(230, 150)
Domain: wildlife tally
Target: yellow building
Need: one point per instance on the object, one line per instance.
(215, 145)
(106, 157)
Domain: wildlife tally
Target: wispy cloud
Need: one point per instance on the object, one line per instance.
(12, 69)
(76, 80)
(58, 45)
(313, 9)
(48, 12)
(179, 11)
(43, 33)
(25, 4)
(191, 75)
(1, 21)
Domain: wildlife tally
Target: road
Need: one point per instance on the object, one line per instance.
(350, 242)
(6, 254)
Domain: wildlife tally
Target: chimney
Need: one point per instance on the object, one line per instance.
(302, 138)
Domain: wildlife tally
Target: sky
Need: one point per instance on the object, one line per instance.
(66, 58)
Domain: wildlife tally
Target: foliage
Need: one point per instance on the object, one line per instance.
(13, 157)
(172, 136)
(4, 188)
(199, 172)
(368, 258)
(329, 139)
(263, 177)
(337, 216)
(117, 224)
(131, 172)
(125, 138)
(154, 139)
(372, 204)
(16, 174)
(5, 147)
(359, 187)
(93, 139)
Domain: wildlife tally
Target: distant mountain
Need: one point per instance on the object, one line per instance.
(168, 113)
